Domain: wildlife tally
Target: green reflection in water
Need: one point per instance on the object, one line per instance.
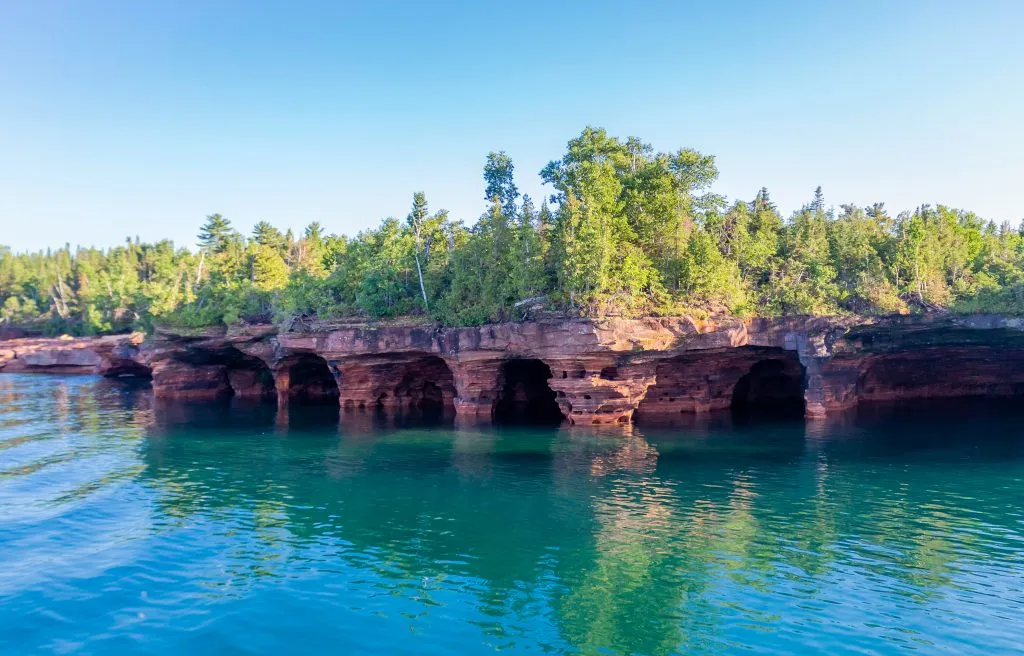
(225, 527)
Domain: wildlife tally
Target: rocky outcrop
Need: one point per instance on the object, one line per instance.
(585, 371)
(113, 355)
(212, 363)
(902, 358)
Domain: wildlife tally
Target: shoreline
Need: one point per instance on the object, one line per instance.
(583, 371)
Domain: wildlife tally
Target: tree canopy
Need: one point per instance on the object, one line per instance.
(626, 231)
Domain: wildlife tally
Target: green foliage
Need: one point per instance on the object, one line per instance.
(629, 231)
(269, 271)
(216, 234)
(709, 278)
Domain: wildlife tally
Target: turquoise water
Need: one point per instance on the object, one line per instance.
(128, 527)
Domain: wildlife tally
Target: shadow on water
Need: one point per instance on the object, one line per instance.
(950, 430)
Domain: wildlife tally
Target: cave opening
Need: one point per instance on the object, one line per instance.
(951, 380)
(226, 373)
(426, 389)
(740, 382)
(526, 398)
(772, 389)
(250, 378)
(129, 369)
(310, 379)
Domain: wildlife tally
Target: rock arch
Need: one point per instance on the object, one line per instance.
(211, 373)
(745, 377)
(250, 378)
(127, 369)
(306, 378)
(410, 384)
(425, 387)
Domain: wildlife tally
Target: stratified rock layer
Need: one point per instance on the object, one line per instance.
(113, 355)
(589, 372)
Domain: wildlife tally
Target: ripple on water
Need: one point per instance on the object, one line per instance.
(217, 531)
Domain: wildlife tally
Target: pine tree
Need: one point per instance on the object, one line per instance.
(267, 235)
(215, 234)
(818, 204)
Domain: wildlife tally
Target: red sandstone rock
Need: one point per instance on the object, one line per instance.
(594, 371)
(67, 355)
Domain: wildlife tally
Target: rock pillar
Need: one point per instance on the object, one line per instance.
(599, 390)
(477, 387)
(282, 385)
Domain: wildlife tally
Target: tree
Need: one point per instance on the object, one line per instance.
(416, 218)
(626, 230)
(591, 219)
(269, 270)
(267, 235)
(314, 232)
(216, 234)
(818, 204)
(711, 280)
(500, 187)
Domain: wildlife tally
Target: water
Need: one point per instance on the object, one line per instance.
(127, 527)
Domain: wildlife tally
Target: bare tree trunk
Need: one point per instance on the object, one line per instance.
(199, 269)
(419, 271)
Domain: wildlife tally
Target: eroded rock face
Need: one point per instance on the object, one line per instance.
(191, 380)
(110, 355)
(903, 358)
(408, 383)
(706, 381)
(943, 372)
(586, 372)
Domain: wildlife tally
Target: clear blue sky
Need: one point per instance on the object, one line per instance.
(125, 118)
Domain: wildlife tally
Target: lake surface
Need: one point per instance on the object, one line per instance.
(130, 527)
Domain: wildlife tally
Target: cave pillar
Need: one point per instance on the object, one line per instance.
(362, 385)
(831, 385)
(599, 390)
(282, 385)
(477, 387)
(830, 382)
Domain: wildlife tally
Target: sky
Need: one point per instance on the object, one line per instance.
(132, 118)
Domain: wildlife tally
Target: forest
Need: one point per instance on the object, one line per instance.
(627, 231)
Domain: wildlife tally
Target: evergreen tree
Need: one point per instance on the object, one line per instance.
(269, 270)
(267, 235)
(629, 231)
(216, 234)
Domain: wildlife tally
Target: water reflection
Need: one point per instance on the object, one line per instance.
(876, 533)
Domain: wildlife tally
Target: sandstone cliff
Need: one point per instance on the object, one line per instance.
(585, 371)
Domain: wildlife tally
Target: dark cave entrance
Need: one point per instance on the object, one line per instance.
(525, 397)
(426, 389)
(229, 373)
(773, 389)
(250, 378)
(953, 380)
(129, 369)
(310, 379)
